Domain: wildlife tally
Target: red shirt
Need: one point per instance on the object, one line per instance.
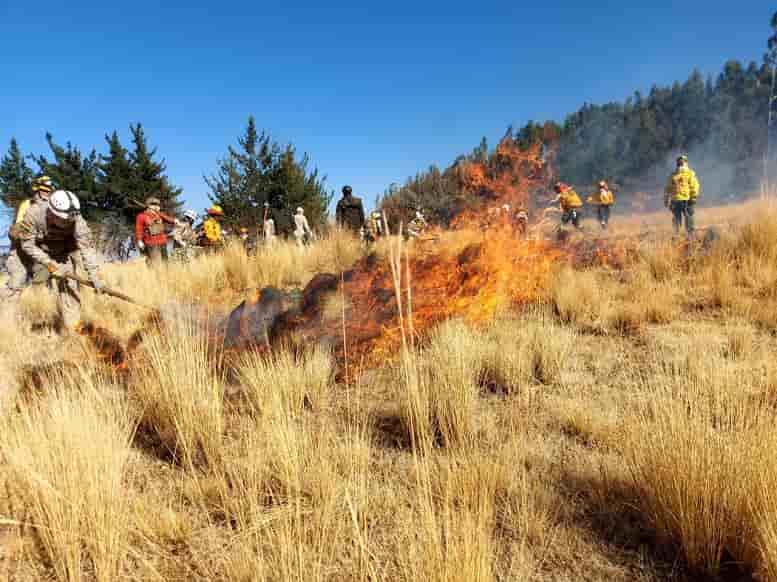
(147, 220)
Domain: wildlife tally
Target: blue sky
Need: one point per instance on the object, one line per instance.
(372, 91)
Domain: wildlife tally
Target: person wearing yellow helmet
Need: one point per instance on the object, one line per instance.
(18, 265)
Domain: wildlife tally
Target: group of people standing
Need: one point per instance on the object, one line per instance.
(152, 225)
(680, 196)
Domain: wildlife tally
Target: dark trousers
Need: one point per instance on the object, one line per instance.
(603, 213)
(155, 254)
(571, 215)
(683, 209)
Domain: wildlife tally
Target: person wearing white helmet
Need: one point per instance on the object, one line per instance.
(302, 231)
(417, 226)
(54, 236)
(184, 235)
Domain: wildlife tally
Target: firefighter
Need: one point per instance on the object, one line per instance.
(570, 204)
(302, 231)
(54, 235)
(521, 222)
(18, 264)
(417, 226)
(350, 211)
(374, 228)
(183, 235)
(680, 195)
(150, 232)
(603, 198)
(211, 236)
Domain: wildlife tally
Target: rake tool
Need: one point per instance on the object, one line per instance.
(107, 291)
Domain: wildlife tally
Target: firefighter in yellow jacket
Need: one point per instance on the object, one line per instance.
(681, 193)
(570, 204)
(603, 198)
(210, 236)
(18, 264)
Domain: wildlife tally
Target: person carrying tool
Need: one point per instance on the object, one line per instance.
(18, 264)
(349, 212)
(150, 232)
(54, 235)
(603, 198)
(211, 236)
(183, 235)
(302, 231)
(570, 204)
(417, 226)
(680, 195)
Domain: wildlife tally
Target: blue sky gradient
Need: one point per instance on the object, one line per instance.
(372, 91)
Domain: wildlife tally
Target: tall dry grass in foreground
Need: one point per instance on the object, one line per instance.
(621, 429)
(66, 456)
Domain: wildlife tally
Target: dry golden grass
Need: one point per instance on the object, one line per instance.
(66, 455)
(621, 429)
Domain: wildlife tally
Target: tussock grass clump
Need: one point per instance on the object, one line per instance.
(697, 459)
(285, 382)
(66, 456)
(439, 386)
(181, 393)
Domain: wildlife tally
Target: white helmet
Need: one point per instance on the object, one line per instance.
(191, 215)
(300, 210)
(418, 214)
(64, 204)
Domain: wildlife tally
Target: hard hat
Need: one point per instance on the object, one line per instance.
(64, 205)
(347, 190)
(418, 214)
(243, 229)
(560, 187)
(506, 207)
(43, 184)
(300, 210)
(190, 215)
(152, 201)
(216, 210)
(602, 184)
(682, 159)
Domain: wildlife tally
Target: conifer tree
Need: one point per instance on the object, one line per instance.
(115, 179)
(15, 176)
(259, 171)
(147, 176)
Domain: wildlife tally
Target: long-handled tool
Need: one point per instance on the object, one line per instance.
(107, 291)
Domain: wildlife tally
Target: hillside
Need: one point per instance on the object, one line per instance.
(619, 424)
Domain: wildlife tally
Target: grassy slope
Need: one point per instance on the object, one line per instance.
(622, 429)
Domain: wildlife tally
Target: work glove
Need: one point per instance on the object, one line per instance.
(141, 245)
(56, 270)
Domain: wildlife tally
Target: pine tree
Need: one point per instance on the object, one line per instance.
(15, 176)
(259, 171)
(147, 176)
(114, 179)
(71, 170)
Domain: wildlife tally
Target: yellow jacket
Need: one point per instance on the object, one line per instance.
(212, 230)
(569, 200)
(606, 198)
(682, 186)
(24, 206)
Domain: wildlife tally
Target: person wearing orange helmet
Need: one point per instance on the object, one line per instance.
(570, 204)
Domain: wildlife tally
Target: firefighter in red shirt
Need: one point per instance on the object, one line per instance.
(150, 232)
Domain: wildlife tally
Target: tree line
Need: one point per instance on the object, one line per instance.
(721, 122)
(256, 171)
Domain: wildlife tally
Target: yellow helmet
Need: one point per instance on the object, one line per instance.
(215, 210)
(43, 184)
